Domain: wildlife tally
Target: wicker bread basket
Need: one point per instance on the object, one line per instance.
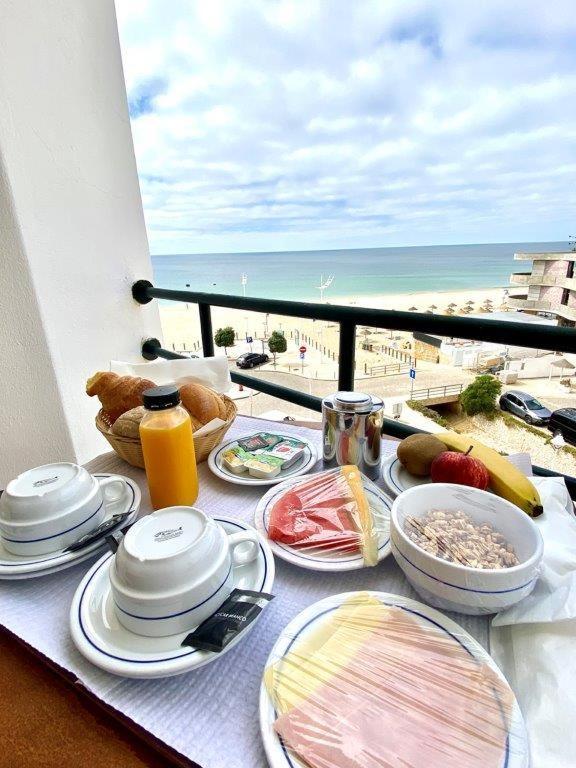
(130, 448)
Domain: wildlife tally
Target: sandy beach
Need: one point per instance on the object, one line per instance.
(181, 326)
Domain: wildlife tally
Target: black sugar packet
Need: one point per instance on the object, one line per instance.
(235, 614)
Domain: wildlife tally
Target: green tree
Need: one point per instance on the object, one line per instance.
(481, 395)
(224, 337)
(277, 343)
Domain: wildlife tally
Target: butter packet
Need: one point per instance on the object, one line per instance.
(263, 466)
(234, 460)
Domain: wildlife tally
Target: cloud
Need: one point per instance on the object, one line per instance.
(265, 125)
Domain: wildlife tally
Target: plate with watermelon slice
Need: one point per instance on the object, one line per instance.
(313, 522)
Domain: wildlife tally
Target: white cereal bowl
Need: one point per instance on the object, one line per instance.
(173, 569)
(47, 508)
(456, 587)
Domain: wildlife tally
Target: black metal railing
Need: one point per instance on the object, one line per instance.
(533, 336)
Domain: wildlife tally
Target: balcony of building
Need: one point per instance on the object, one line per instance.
(521, 301)
(539, 278)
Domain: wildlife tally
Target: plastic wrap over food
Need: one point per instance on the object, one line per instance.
(374, 686)
(329, 513)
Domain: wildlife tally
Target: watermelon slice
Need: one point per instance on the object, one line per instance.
(320, 512)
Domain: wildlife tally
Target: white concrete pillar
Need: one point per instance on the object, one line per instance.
(72, 234)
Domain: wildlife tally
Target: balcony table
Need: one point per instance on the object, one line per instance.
(207, 717)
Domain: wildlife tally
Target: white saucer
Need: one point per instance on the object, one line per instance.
(398, 479)
(101, 638)
(300, 467)
(329, 561)
(20, 567)
(517, 749)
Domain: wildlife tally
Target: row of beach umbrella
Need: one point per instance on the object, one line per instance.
(468, 307)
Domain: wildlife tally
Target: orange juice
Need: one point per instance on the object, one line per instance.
(168, 448)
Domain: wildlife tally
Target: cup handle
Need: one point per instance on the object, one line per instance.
(104, 482)
(242, 558)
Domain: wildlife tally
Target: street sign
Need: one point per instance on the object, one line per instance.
(249, 339)
(303, 349)
(302, 355)
(412, 373)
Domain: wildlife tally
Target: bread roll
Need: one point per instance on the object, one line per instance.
(202, 403)
(117, 394)
(128, 425)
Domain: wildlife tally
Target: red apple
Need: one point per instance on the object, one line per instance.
(461, 468)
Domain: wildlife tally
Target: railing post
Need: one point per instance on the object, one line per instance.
(206, 329)
(346, 357)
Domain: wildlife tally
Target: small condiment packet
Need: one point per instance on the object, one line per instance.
(288, 450)
(252, 443)
(235, 614)
(264, 466)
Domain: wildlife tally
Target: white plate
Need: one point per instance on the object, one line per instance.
(398, 479)
(19, 567)
(300, 467)
(517, 750)
(101, 638)
(329, 561)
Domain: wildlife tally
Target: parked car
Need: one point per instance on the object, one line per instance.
(564, 421)
(251, 359)
(525, 406)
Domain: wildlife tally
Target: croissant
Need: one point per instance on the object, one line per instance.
(117, 394)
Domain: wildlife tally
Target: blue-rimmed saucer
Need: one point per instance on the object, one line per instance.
(21, 567)
(101, 638)
(312, 559)
(515, 752)
(397, 479)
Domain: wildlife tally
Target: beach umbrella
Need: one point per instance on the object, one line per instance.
(452, 304)
(413, 309)
(469, 302)
(450, 310)
(433, 306)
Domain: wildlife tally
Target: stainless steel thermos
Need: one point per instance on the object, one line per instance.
(352, 426)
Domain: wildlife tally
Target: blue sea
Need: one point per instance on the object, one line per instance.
(356, 272)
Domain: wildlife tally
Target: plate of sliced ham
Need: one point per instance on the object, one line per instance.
(337, 520)
(371, 680)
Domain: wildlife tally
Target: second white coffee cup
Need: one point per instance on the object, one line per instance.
(173, 569)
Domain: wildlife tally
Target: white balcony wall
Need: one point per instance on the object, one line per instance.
(72, 234)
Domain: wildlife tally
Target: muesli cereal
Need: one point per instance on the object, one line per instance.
(457, 538)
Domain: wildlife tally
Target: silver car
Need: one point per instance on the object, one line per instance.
(525, 406)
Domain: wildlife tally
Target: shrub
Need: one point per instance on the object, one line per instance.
(481, 395)
(277, 343)
(224, 337)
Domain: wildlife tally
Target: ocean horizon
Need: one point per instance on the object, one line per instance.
(356, 271)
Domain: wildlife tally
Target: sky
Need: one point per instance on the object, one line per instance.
(299, 124)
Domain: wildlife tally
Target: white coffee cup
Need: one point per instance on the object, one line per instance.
(173, 569)
(47, 508)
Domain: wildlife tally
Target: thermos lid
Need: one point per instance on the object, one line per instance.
(354, 402)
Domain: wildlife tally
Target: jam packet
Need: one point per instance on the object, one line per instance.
(252, 443)
(235, 614)
(289, 450)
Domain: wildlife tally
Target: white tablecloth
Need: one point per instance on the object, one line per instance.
(211, 715)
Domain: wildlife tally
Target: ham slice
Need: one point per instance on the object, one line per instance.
(324, 512)
(409, 696)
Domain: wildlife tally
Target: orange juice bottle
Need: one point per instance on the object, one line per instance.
(168, 448)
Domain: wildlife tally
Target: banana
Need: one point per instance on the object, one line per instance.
(505, 479)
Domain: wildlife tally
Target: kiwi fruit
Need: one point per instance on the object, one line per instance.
(417, 452)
